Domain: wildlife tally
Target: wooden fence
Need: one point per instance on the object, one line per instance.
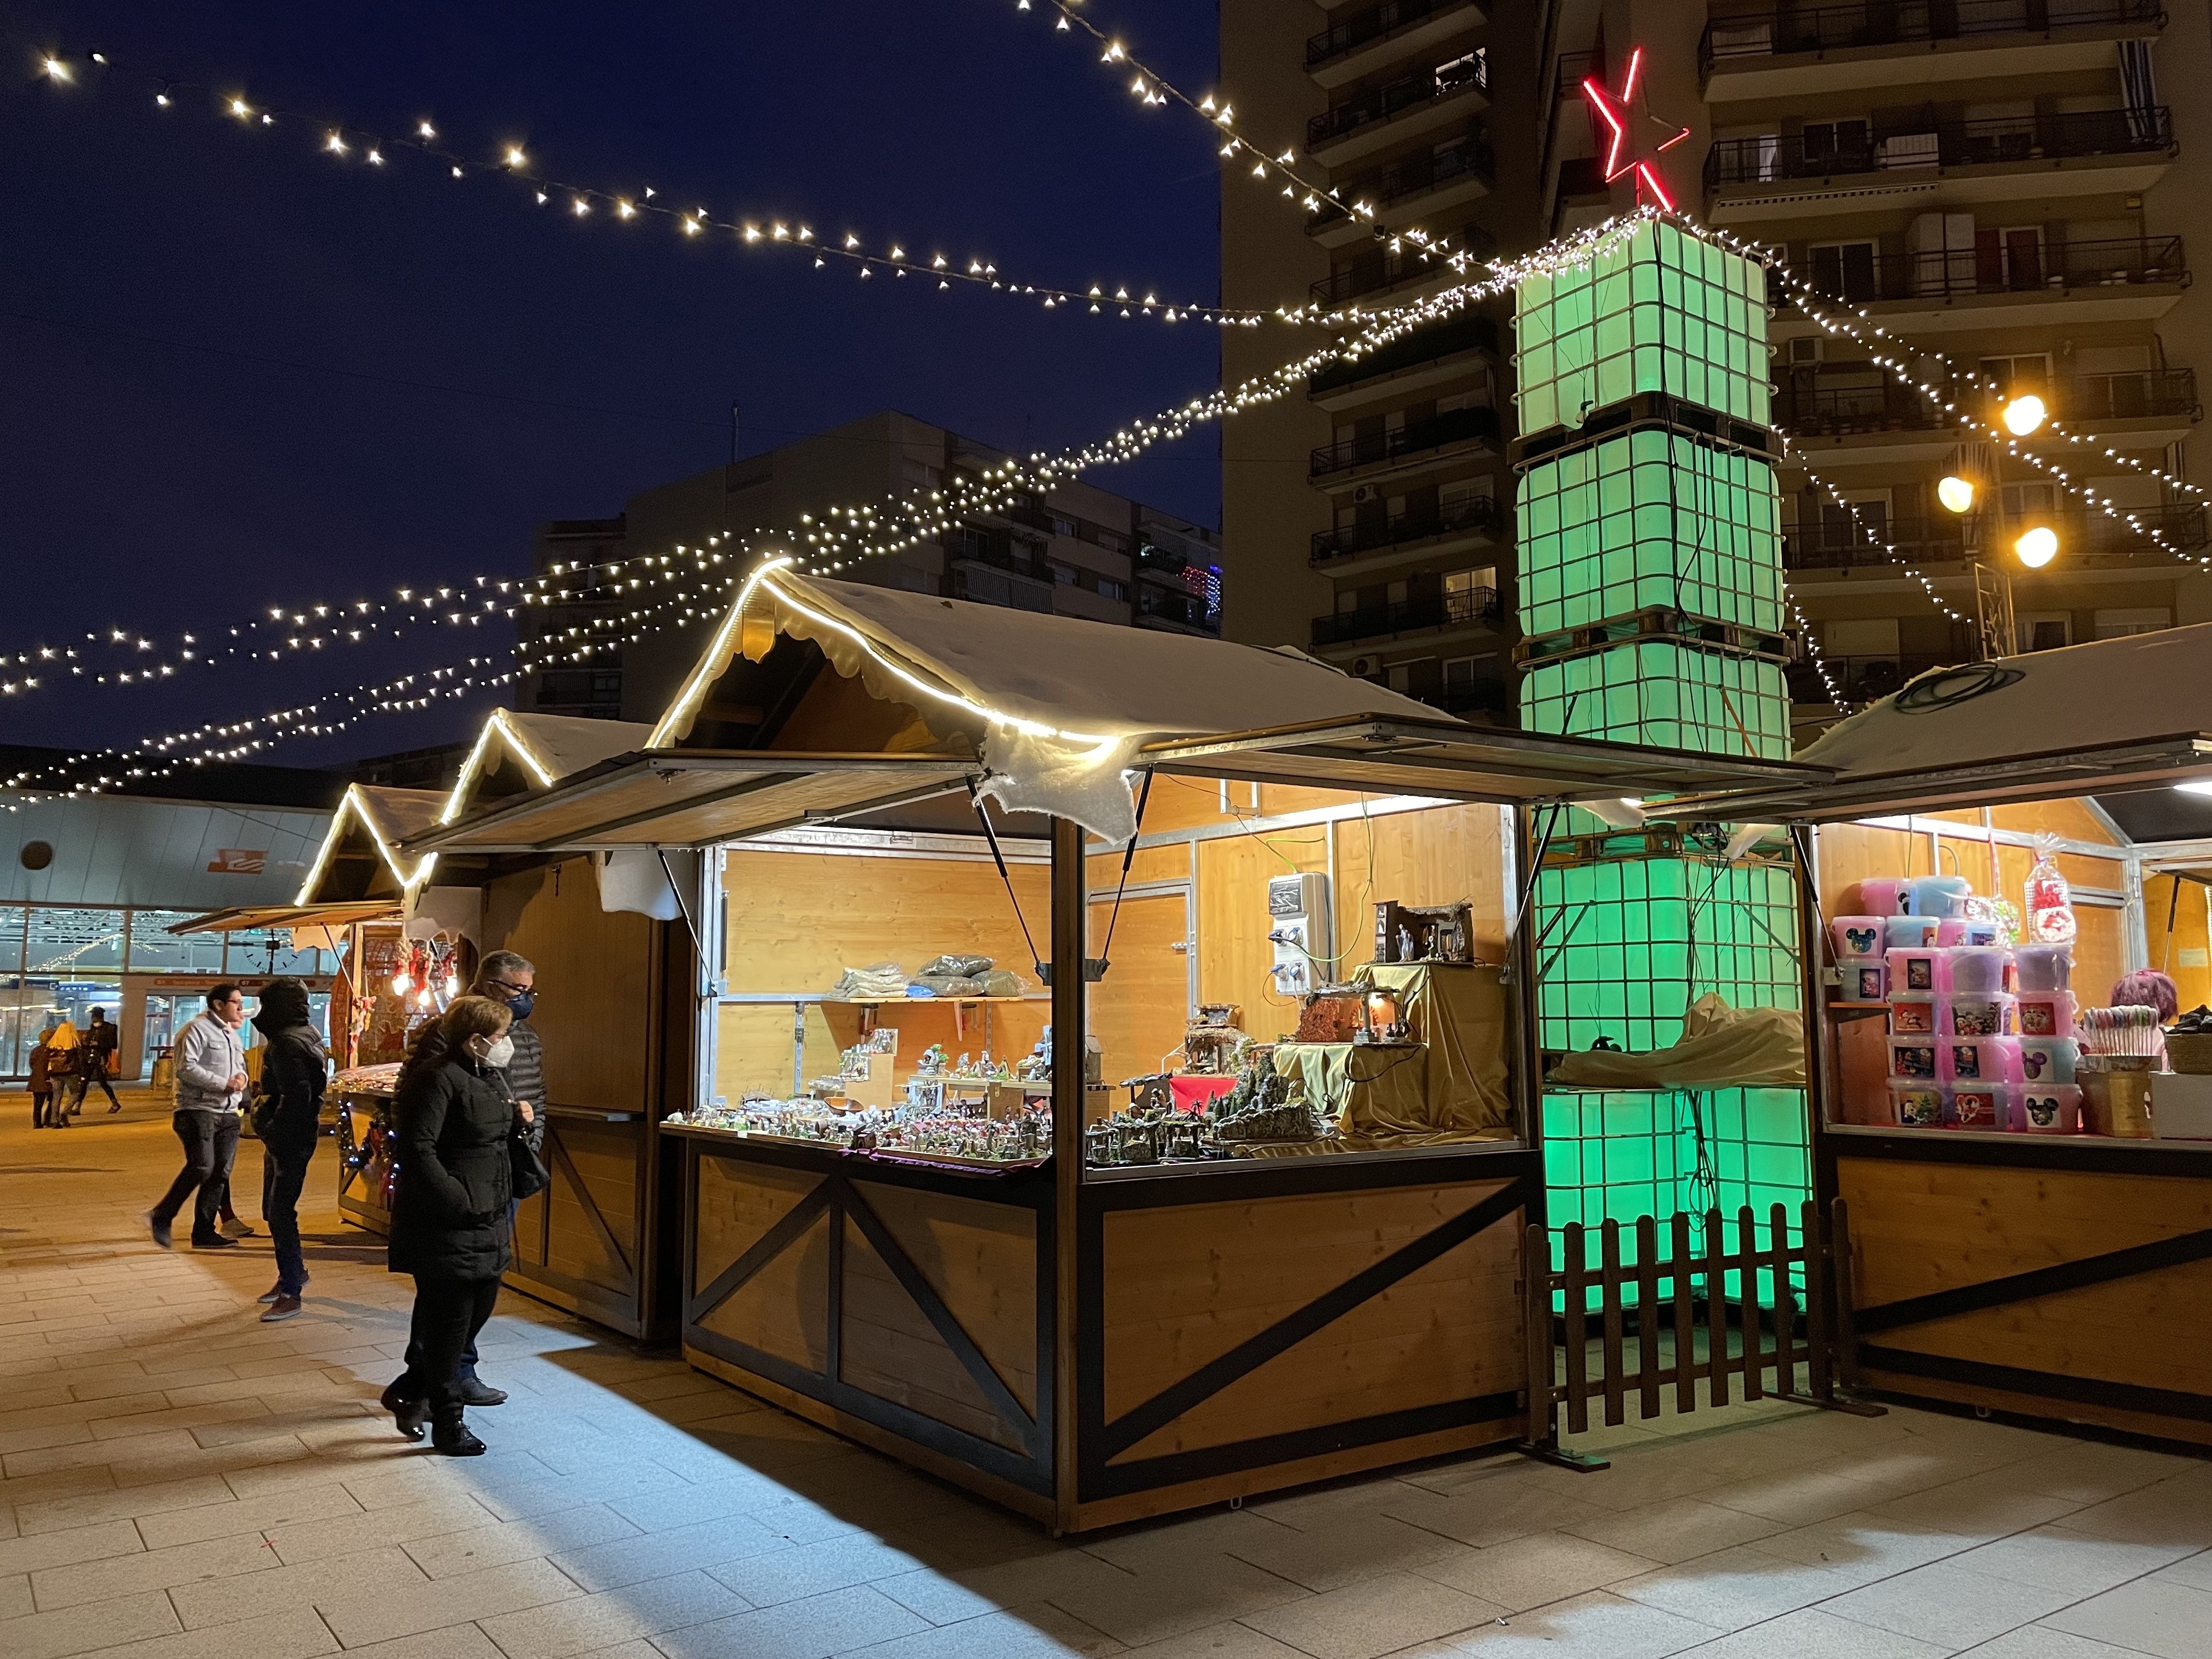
(1696, 1298)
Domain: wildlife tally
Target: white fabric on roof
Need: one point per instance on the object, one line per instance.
(1059, 705)
(566, 743)
(2100, 696)
(393, 815)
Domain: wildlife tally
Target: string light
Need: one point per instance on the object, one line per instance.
(1812, 644)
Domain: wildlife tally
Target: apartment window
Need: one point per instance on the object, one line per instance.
(1829, 144)
(2027, 372)
(2043, 630)
(1459, 672)
(2120, 623)
(2030, 501)
(1111, 589)
(1845, 270)
(2008, 258)
(1469, 582)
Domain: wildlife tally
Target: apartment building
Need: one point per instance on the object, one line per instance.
(1075, 551)
(1370, 522)
(2006, 182)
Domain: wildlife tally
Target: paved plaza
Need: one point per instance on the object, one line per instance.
(179, 1481)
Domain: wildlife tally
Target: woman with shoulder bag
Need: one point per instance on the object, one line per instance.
(459, 1138)
(288, 1117)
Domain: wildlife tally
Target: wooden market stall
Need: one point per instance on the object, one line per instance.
(2055, 1274)
(1066, 1291)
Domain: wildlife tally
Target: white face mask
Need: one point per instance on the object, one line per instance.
(501, 1052)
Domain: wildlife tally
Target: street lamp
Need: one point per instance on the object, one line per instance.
(2023, 414)
(2037, 546)
(1956, 494)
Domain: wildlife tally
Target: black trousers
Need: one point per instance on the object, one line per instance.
(283, 1175)
(42, 1105)
(211, 1140)
(449, 1314)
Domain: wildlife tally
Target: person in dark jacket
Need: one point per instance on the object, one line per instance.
(42, 1083)
(288, 1117)
(452, 1119)
(100, 1042)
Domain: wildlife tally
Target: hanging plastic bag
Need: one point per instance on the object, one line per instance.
(2047, 901)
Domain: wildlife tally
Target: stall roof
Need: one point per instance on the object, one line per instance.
(338, 913)
(548, 748)
(2083, 719)
(387, 816)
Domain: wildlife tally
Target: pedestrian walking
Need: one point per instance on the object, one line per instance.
(63, 1060)
(457, 1133)
(288, 1117)
(100, 1043)
(42, 1082)
(211, 1083)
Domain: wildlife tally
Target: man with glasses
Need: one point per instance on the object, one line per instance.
(211, 1083)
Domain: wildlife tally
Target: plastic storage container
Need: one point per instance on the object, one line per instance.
(1912, 1014)
(1977, 969)
(2044, 967)
(1914, 1057)
(1864, 980)
(1949, 931)
(1916, 1105)
(1981, 930)
(1910, 933)
(2045, 1060)
(1859, 936)
(2055, 1109)
(2047, 1014)
(1970, 1014)
(1980, 1105)
(1913, 969)
(1979, 1060)
(1885, 896)
(1939, 896)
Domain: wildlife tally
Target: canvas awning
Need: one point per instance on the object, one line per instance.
(338, 913)
(2086, 719)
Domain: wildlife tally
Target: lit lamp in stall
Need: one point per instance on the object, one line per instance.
(1384, 1023)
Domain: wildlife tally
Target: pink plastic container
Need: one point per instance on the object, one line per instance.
(1918, 970)
(1951, 930)
(1977, 968)
(2047, 1014)
(1858, 936)
(2048, 1060)
(2054, 1109)
(1987, 1014)
(1913, 1013)
(2045, 968)
(1916, 1105)
(1978, 1060)
(1884, 897)
(1915, 1057)
(1865, 980)
(1911, 933)
(1980, 1106)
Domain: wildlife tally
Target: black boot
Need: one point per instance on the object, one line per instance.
(450, 1436)
(407, 1414)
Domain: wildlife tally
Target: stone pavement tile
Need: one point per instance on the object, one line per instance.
(2194, 1571)
(671, 1508)
(1481, 1518)
(409, 1480)
(1595, 1625)
(379, 1616)
(1320, 1562)
(1528, 1573)
(448, 1554)
(1865, 1547)
(1675, 1530)
(1948, 1606)
(1797, 1497)
(514, 1498)
(298, 1634)
(109, 1430)
(84, 1509)
(2059, 1557)
(269, 1513)
(1732, 1589)
(316, 1426)
(1229, 1641)
(138, 1380)
(35, 1489)
(1168, 1600)
(136, 1465)
(386, 1571)
(2174, 1511)
(146, 1569)
(80, 1630)
(37, 1439)
(836, 1623)
(93, 1452)
(1375, 1616)
(71, 1410)
(15, 1596)
(448, 1642)
(1059, 1576)
(795, 1573)
(1174, 1538)
(1038, 1633)
(584, 1625)
(2089, 1472)
(1810, 1633)
(2171, 1620)
(65, 1547)
(347, 1534)
(2041, 1642)
(609, 1563)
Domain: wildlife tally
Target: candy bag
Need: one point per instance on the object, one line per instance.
(2047, 902)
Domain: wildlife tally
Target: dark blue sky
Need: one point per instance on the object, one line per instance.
(153, 474)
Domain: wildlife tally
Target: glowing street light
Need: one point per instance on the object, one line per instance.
(2037, 547)
(1956, 494)
(2024, 415)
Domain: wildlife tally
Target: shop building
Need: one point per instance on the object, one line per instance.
(2003, 182)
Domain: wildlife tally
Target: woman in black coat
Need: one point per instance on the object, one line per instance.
(287, 1112)
(453, 1121)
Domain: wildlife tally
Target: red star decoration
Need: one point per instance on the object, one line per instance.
(1621, 113)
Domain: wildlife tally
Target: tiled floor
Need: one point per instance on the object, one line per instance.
(178, 1482)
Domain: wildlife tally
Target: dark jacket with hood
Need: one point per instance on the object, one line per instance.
(451, 1123)
(288, 1105)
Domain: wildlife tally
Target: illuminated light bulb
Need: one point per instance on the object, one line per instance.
(2037, 547)
(581, 207)
(515, 158)
(401, 984)
(690, 227)
(1956, 494)
(453, 985)
(56, 70)
(267, 119)
(543, 198)
(238, 108)
(163, 98)
(2196, 786)
(375, 158)
(457, 173)
(623, 210)
(2024, 415)
(335, 145)
(424, 129)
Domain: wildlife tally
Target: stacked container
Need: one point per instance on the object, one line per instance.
(1955, 1048)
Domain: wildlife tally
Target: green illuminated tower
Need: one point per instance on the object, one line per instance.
(1651, 604)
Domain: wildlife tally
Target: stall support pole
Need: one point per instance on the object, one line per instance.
(1070, 921)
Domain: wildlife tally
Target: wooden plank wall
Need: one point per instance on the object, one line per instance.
(2184, 948)
(595, 1015)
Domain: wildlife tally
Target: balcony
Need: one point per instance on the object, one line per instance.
(1413, 534)
(1387, 273)
(1480, 696)
(1403, 448)
(2141, 394)
(2135, 280)
(1399, 109)
(1361, 41)
(1425, 356)
(1827, 546)
(1862, 679)
(1180, 612)
(1424, 181)
(1819, 411)
(1473, 608)
(1892, 43)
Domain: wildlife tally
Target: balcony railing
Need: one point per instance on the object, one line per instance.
(1834, 411)
(1467, 157)
(1473, 697)
(1862, 679)
(1460, 609)
(1186, 608)
(1465, 517)
(1394, 98)
(1364, 27)
(2127, 395)
(1902, 23)
(1458, 426)
(1944, 539)
(1384, 272)
(1844, 546)
(2053, 267)
(1772, 158)
(974, 548)
(1422, 346)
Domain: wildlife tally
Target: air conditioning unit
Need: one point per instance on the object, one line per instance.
(1805, 351)
(1363, 666)
(1364, 494)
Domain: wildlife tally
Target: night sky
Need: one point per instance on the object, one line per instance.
(240, 372)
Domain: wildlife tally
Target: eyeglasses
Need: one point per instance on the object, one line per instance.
(508, 985)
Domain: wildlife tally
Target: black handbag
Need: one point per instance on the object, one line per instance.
(529, 1173)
